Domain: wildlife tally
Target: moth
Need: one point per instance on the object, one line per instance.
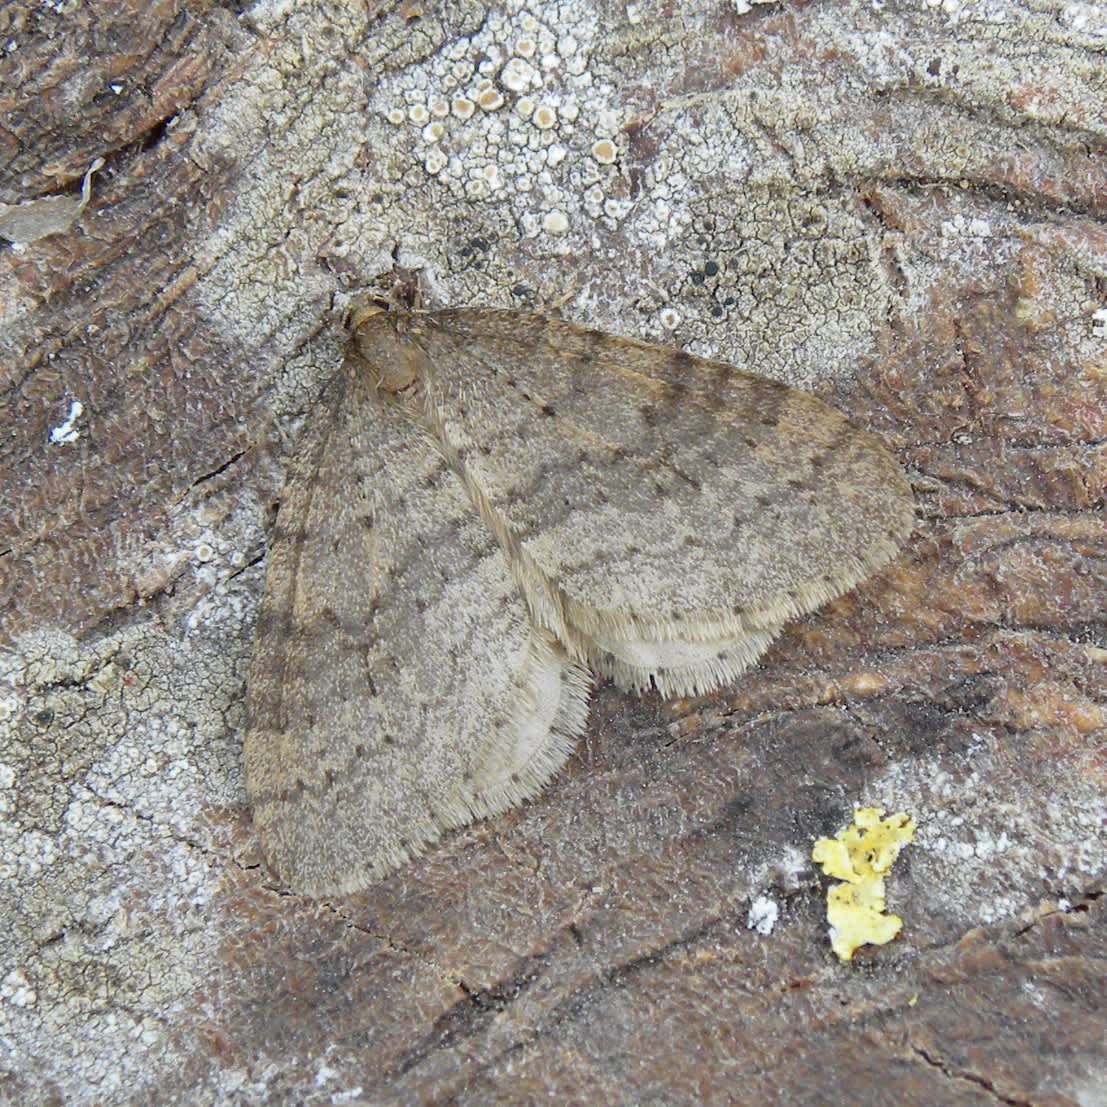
(487, 508)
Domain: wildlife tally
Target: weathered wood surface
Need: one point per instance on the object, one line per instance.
(901, 208)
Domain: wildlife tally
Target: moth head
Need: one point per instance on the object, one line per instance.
(362, 309)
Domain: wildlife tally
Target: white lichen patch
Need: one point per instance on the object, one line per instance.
(432, 132)
(575, 118)
(490, 99)
(979, 842)
(435, 162)
(515, 90)
(1086, 17)
(518, 76)
(763, 915)
(545, 117)
(16, 989)
(961, 226)
(555, 222)
(604, 151)
(113, 755)
(66, 431)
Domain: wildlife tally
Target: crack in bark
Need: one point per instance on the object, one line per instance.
(946, 1070)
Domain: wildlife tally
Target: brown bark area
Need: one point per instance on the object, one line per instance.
(593, 946)
(98, 316)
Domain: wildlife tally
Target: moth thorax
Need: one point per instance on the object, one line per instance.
(394, 377)
(393, 362)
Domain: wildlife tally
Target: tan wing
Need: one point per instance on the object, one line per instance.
(398, 687)
(666, 514)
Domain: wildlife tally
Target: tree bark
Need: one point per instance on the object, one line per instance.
(899, 207)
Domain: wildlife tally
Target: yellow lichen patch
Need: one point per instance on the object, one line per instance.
(859, 856)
